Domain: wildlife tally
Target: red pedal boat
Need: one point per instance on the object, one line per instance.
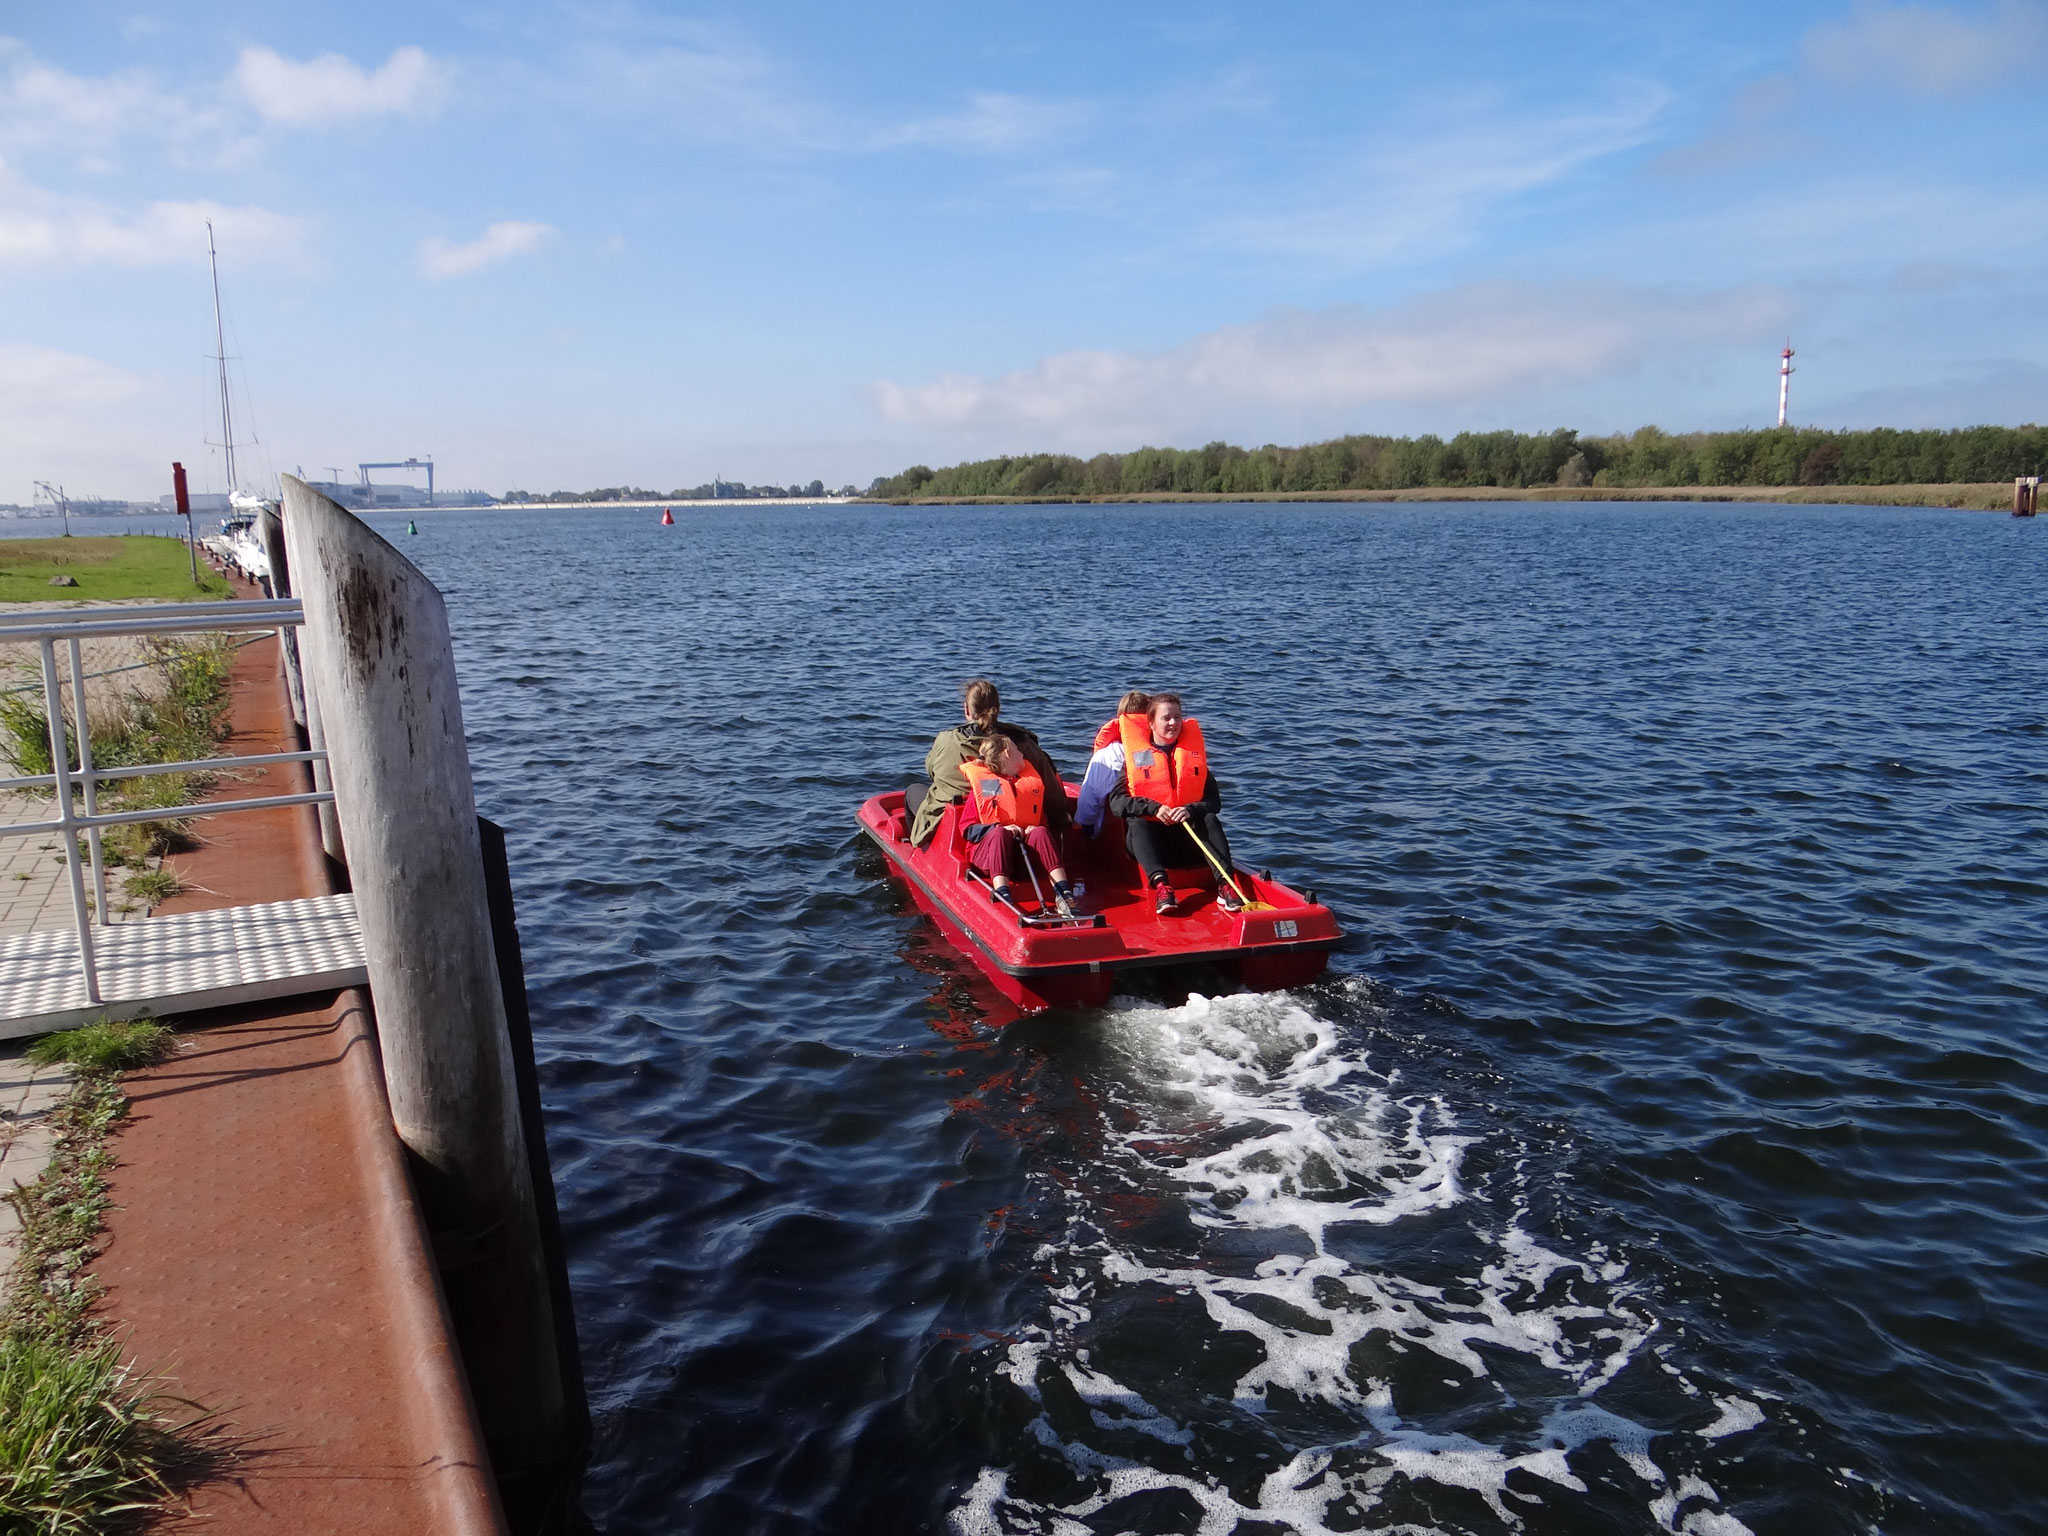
(1041, 960)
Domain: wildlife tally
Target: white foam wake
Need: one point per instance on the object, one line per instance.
(1284, 1153)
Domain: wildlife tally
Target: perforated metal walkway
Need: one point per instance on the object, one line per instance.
(181, 963)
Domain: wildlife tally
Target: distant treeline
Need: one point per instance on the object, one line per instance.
(1649, 457)
(716, 490)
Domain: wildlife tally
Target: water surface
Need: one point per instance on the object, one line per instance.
(1665, 1150)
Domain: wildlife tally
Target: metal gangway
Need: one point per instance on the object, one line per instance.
(179, 963)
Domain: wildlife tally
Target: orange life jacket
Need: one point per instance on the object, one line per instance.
(1111, 731)
(1000, 802)
(1175, 775)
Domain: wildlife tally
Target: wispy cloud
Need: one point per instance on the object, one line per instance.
(1435, 192)
(2003, 392)
(510, 237)
(1930, 50)
(1756, 127)
(714, 91)
(995, 122)
(1072, 189)
(1469, 353)
(332, 88)
(41, 381)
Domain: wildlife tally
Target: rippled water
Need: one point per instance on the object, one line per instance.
(1665, 1150)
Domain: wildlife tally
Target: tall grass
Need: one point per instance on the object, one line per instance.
(184, 718)
(81, 1439)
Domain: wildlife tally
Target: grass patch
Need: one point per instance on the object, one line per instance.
(81, 1442)
(87, 1440)
(154, 886)
(103, 1046)
(117, 566)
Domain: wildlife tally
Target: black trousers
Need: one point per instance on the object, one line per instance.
(1158, 847)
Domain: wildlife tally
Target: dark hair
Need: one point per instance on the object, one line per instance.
(1163, 698)
(982, 701)
(1136, 702)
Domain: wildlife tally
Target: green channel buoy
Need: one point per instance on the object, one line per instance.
(411, 526)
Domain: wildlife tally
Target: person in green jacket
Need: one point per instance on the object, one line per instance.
(980, 708)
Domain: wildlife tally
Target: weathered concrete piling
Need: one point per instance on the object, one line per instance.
(379, 661)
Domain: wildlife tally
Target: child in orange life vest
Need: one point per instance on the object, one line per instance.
(1006, 806)
(1167, 792)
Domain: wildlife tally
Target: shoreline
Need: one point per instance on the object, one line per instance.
(1991, 496)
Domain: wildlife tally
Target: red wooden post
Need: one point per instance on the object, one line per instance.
(185, 511)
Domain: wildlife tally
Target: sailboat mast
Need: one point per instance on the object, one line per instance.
(220, 348)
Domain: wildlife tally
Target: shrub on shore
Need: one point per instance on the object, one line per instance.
(1649, 457)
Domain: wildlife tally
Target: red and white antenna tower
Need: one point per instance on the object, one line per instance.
(1785, 372)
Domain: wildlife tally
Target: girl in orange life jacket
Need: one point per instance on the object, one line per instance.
(1136, 702)
(1105, 768)
(1167, 790)
(1006, 806)
(980, 710)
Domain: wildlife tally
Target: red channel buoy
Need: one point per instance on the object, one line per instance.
(668, 518)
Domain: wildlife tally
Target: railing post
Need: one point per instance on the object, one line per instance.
(377, 650)
(92, 793)
(60, 769)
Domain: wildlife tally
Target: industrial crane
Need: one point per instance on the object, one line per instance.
(56, 494)
(427, 464)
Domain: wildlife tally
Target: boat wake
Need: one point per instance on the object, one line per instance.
(1273, 1298)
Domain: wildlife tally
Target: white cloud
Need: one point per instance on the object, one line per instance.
(40, 226)
(1468, 355)
(41, 104)
(995, 122)
(1929, 50)
(332, 88)
(510, 237)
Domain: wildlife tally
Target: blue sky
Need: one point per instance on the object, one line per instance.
(570, 245)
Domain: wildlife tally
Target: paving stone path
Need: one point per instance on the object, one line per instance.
(28, 1094)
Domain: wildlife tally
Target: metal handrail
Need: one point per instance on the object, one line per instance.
(191, 765)
(169, 619)
(45, 628)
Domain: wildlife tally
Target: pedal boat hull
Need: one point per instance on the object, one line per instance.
(1047, 964)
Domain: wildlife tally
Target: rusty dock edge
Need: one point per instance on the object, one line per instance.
(268, 1256)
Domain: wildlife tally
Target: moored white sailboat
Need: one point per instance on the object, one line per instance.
(237, 544)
